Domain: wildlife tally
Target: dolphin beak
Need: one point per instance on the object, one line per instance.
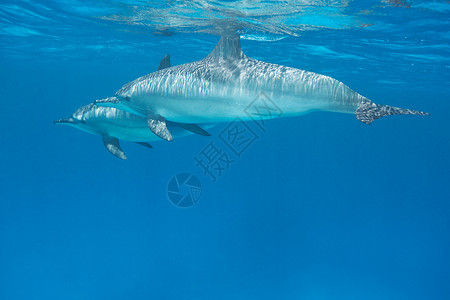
(108, 102)
(65, 121)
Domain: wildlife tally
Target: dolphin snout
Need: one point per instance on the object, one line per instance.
(107, 102)
(64, 121)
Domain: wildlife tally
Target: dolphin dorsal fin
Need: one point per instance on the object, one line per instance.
(228, 47)
(165, 63)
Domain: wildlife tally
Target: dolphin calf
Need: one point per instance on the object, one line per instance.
(113, 125)
(221, 86)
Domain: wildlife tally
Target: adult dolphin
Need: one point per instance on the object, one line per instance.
(222, 85)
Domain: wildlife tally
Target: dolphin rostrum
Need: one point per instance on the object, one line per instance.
(114, 125)
(221, 86)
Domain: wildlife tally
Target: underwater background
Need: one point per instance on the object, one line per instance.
(318, 207)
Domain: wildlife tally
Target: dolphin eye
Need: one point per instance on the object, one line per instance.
(127, 98)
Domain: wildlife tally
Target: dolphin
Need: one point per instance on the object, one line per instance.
(113, 125)
(221, 86)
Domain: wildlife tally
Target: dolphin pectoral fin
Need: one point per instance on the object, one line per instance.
(145, 144)
(165, 63)
(367, 111)
(194, 128)
(158, 126)
(112, 145)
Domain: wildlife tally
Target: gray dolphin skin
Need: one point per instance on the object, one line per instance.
(220, 87)
(113, 125)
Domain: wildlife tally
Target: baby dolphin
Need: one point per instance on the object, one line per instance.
(113, 125)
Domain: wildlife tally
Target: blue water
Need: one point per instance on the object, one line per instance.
(318, 207)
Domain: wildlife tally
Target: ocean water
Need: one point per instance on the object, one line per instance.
(315, 207)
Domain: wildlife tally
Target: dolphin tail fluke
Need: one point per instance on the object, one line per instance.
(367, 111)
(112, 145)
